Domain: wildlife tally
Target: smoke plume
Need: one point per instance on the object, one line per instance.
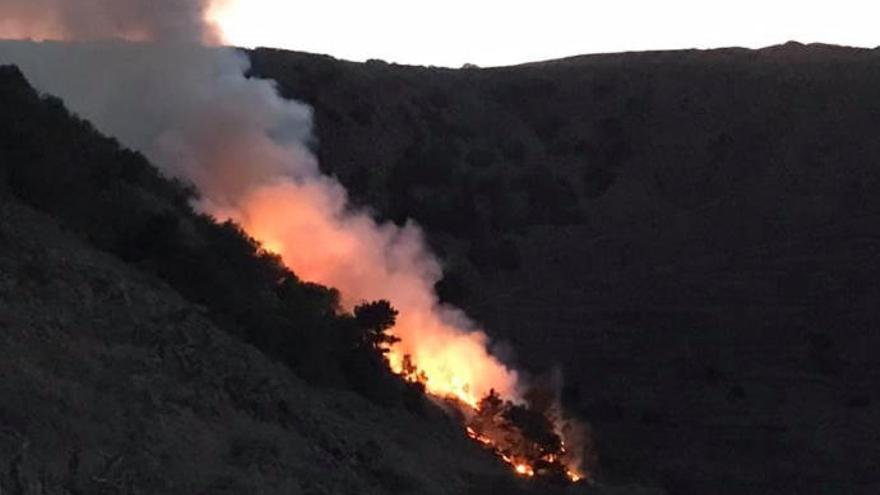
(191, 110)
(143, 20)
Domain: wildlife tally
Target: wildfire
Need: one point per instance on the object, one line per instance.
(272, 247)
(523, 467)
(244, 148)
(320, 240)
(520, 467)
(309, 226)
(306, 220)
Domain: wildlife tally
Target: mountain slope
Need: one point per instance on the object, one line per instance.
(692, 235)
(119, 375)
(111, 382)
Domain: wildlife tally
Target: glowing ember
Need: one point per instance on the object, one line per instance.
(519, 467)
(524, 469)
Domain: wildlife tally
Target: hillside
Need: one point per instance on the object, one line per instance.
(692, 236)
(147, 349)
(111, 382)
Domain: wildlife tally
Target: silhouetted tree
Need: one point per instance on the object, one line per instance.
(534, 427)
(374, 320)
(491, 405)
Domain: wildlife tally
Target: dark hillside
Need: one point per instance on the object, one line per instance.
(117, 201)
(122, 362)
(145, 349)
(110, 382)
(693, 236)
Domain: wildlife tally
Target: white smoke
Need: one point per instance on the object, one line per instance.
(192, 111)
(188, 108)
(144, 20)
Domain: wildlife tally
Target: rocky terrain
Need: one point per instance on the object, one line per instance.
(692, 236)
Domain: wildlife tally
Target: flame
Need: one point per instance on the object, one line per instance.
(524, 469)
(521, 466)
(307, 225)
(237, 144)
(272, 247)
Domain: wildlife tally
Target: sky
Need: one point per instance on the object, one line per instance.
(496, 32)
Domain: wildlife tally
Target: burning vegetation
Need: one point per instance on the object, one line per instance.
(427, 343)
(528, 436)
(524, 437)
(246, 150)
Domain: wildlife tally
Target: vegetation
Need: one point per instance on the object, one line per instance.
(513, 149)
(145, 219)
(522, 432)
(712, 209)
(718, 210)
(135, 389)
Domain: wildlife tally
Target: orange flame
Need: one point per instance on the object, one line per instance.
(521, 466)
(307, 225)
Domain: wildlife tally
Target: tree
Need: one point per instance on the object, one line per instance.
(535, 428)
(491, 405)
(374, 320)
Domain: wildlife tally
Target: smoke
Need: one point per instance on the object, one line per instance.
(143, 20)
(191, 110)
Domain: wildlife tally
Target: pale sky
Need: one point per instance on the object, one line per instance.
(496, 32)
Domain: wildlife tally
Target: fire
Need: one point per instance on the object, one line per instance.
(243, 147)
(308, 225)
(521, 466)
(272, 247)
(524, 469)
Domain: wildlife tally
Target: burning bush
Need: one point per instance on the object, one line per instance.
(289, 234)
(528, 436)
(524, 435)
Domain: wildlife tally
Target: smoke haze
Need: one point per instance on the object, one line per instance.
(191, 110)
(143, 20)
